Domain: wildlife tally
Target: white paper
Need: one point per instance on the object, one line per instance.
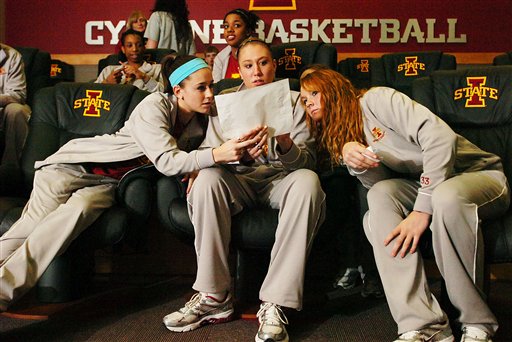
(267, 105)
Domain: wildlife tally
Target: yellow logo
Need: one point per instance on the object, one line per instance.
(55, 70)
(364, 66)
(289, 59)
(92, 103)
(476, 92)
(411, 66)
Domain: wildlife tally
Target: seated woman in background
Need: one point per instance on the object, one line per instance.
(420, 175)
(137, 21)
(168, 27)
(77, 183)
(135, 70)
(239, 24)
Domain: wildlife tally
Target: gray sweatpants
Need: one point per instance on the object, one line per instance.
(65, 200)
(459, 204)
(218, 194)
(14, 121)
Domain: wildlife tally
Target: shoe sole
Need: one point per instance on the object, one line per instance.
(257, 339)
(214, 319)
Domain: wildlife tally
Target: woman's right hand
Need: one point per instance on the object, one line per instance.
(233, 150)
(355, 155)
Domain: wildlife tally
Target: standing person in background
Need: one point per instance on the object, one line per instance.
(137, 21)
(239, 24)
(209, 55)
(168, 27)
(14, 113)
(135, 70)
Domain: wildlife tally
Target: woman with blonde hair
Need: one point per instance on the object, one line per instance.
(420, 174)
(137, 21)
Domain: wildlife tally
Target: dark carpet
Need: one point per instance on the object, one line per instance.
(137, 316)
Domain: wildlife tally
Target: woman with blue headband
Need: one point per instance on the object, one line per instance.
(164, 129)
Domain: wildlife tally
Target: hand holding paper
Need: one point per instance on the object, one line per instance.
(268, 105)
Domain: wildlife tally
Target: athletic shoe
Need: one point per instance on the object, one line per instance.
(350, 279)
(272, 324)
(474, 334)
(434, 333)
(199, 311)
(372, 286)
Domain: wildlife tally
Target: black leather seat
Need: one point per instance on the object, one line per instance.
(37, 70)
(61, 71)
(291, 58)
(503, 59)
(357, 70)
(150, 55)
(399, 70)
(58, 117)
(484, 117)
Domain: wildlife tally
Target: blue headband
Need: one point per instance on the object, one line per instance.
(186, 70)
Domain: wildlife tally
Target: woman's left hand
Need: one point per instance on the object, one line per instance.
(407, 234)
(285, 142)
(190, 177)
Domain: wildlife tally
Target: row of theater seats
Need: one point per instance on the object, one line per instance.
(56, 120)
(399, 70)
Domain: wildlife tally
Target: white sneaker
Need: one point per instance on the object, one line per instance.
(434, 333)
(272, 324)
(199, 311)
(474, 334)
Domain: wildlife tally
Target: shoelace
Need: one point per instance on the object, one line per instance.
(271, 313)
(192, 304)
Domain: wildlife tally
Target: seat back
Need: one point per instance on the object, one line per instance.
(37, 70)
(61, 72)
(477, 103)
(399, 70)
(357, 70)
(503, 59)
(151, 56)
(74, 110)
(291, 58)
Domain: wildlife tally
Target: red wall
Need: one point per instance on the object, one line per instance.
(59, 26)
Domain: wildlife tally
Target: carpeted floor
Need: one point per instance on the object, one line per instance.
(136, 315)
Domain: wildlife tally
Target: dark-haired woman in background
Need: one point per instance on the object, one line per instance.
(239, 24)
(168, 27)
(77, 183)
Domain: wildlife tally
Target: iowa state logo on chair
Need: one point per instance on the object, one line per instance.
(476, 92)
(92, 103)
(411, 66)
(364, 66)
(290, 59)
(55, 70)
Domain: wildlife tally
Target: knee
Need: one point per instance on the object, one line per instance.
(208, 178)
(380, 194)
(15, 112)
(306, 183)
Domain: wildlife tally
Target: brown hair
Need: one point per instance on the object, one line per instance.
(342, 121)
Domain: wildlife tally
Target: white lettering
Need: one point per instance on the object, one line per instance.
(203, 34)
(277, 30)
(114, 30)
(431, 24)
(412, 29)
(366, 24)
(339, 28)
(452, 22)
(294, 28)
(218, 31)
(89, 27)
(318, 30)
(389, 26)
